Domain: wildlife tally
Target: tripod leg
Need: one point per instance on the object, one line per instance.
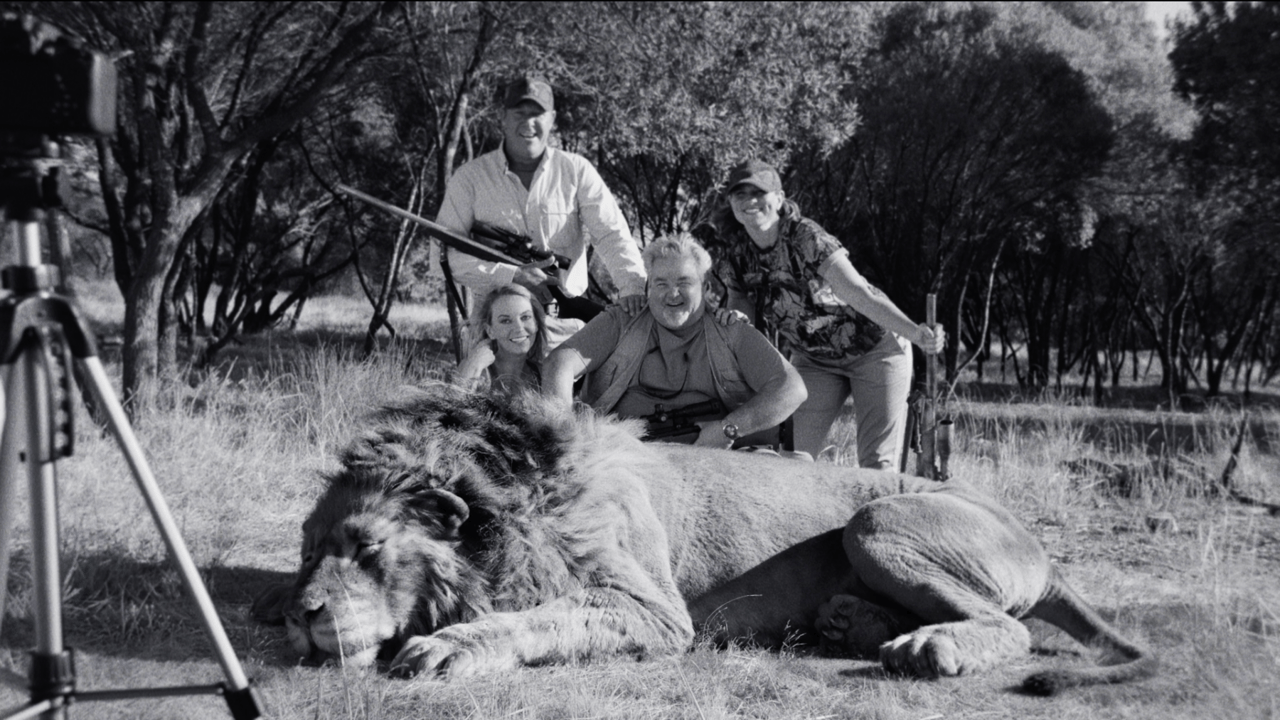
(8, 490)
(240, 698)
(47, 578)
(27, 443)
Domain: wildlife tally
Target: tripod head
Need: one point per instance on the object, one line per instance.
(28, 190)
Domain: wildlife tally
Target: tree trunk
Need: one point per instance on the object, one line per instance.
(405, 234)
(455, 132)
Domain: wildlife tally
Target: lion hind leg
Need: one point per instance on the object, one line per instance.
(956, 648)
(956, 563)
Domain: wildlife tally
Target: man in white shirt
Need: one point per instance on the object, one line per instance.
(556, 198)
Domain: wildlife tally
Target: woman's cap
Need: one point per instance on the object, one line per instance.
(527, 88)
(754, 172)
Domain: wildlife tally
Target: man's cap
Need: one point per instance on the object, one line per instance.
(754, 172)
(527, 88)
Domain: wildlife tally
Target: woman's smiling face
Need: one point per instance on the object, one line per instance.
(512, 325)
(755, 208)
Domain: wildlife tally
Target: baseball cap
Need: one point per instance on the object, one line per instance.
(527, 88)
(754, 172)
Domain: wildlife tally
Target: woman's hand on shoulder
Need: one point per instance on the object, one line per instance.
(930, 340)
(633, 304)
(727, 317)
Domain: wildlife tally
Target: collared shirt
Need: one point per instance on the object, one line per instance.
(566, 203)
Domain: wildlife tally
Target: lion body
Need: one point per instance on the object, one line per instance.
(474, 535)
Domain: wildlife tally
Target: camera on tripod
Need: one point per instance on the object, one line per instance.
(51, 83)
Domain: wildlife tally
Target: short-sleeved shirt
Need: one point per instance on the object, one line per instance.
(676, 369)
(786, 286)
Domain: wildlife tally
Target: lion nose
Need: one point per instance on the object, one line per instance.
(307, 608)
(311, 615)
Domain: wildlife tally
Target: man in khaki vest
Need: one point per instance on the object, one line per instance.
(676, 354)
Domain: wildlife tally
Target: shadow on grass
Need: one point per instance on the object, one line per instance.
(119, 606)
(868, 671)
(256, 353)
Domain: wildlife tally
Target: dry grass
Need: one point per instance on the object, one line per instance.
(239, 459)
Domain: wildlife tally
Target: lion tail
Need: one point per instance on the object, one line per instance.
(1124, 660)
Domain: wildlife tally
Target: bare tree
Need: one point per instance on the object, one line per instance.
(202, 84)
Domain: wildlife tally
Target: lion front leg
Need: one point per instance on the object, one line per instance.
(585, 625)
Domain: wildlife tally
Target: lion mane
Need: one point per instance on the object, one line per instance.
(466, 533)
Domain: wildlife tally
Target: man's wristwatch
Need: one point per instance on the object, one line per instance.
(730, 430)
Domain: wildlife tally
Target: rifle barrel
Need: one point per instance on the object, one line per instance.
(452, 238)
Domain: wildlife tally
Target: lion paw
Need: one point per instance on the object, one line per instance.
(851, 627)
(432, 655)
(923, 653)
(447, 655)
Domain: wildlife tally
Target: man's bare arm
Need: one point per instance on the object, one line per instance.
(775, 402)
(560, 371)
(772, 404)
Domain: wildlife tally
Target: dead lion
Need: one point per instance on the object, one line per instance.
(467, 535)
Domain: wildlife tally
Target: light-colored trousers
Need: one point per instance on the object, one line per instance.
(879, 382)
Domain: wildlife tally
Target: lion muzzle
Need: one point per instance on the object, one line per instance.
(348, 631)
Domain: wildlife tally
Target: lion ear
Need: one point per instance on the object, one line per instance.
(445, 508)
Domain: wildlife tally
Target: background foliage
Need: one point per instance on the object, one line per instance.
(1072, 185)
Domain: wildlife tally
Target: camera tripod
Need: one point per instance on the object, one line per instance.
(41, 334)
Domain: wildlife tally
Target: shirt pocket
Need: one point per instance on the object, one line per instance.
(731, 376)
(560, 222)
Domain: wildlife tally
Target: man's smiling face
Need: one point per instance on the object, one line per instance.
(526, 128)
(675, 292)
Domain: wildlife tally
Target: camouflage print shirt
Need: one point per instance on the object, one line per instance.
(785, 285)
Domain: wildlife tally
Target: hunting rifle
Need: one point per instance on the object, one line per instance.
(495, 244)
(664, 424)
(450, 238)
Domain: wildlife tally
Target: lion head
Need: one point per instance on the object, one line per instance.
(427, 523)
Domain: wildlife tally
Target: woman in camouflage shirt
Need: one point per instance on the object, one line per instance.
(843, 335)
